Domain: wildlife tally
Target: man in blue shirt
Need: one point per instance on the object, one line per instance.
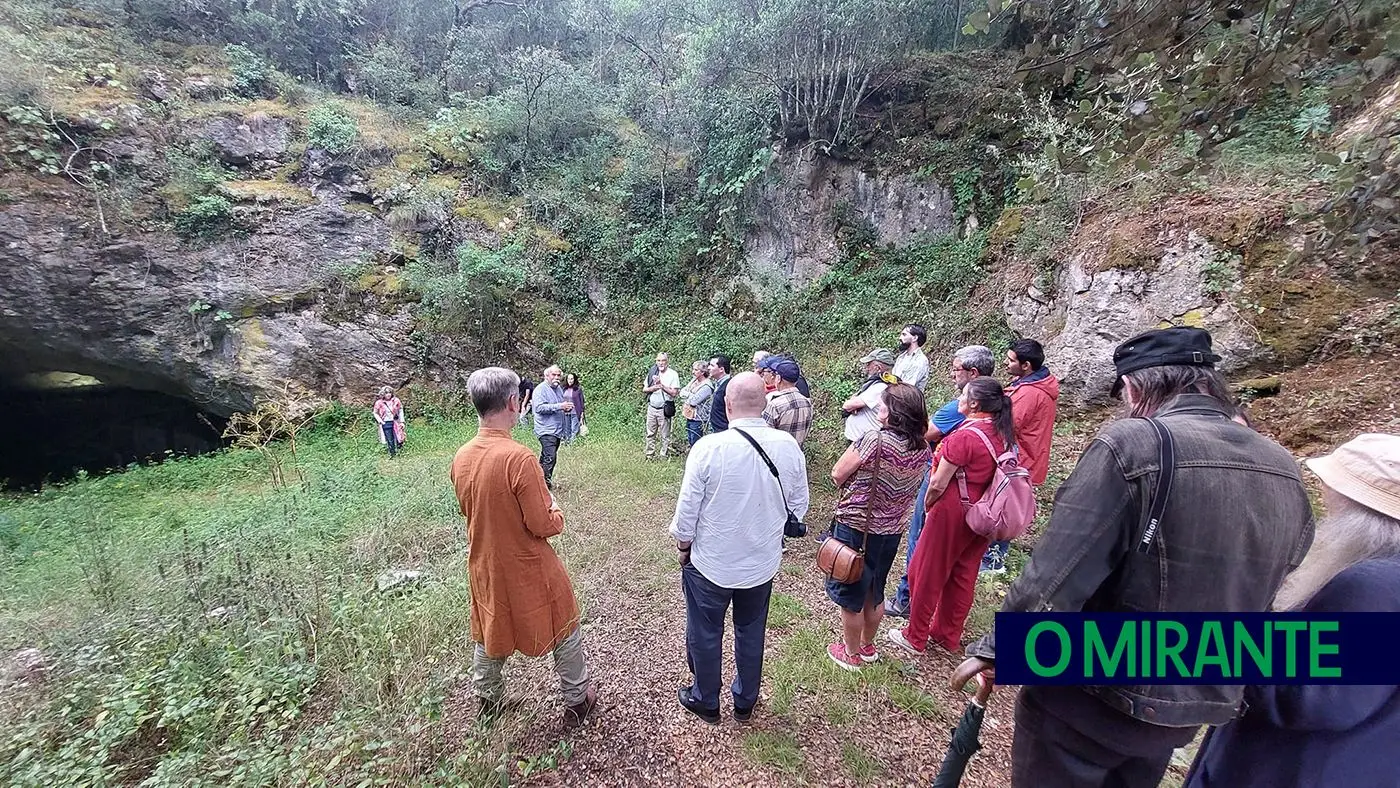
(550, 405)
(971, 362)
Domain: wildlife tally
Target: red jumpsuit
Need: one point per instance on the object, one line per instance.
(943, 574)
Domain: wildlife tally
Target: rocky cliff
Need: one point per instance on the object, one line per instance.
(297, 298)
(807, 199)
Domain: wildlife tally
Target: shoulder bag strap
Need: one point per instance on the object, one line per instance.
(1152, 514)
(773, 469)
(870, 496)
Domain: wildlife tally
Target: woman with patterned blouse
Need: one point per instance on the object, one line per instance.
(879, 476)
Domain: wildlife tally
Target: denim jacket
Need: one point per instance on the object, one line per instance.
(1237, 521)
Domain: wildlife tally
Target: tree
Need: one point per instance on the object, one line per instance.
(1140, 74)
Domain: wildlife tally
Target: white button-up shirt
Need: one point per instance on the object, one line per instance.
(730, 509)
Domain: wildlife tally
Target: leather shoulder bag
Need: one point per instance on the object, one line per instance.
(840, 561)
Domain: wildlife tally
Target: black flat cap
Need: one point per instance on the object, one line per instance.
(1163, 347)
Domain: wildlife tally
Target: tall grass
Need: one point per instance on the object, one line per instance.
(202, 623)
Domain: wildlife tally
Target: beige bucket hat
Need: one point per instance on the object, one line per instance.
(1365, 469)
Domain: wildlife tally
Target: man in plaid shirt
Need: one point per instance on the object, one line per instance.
(787, 409)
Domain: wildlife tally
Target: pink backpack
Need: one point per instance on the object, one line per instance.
(1007, 507)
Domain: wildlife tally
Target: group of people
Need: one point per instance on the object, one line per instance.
(1237, 525)
(557, 405)
(703, 396)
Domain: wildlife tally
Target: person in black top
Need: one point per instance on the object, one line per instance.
(719, 373)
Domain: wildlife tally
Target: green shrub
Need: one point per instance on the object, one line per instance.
(206, 218)
(252, 76)
(332, 129)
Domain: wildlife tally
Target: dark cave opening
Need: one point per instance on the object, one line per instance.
(49, 433)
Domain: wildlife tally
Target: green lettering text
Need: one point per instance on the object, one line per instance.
(1065, 648)
(1317, 649)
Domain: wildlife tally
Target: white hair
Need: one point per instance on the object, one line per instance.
(978, 357)
(1348, 535)
(553, 368)
(491, 388)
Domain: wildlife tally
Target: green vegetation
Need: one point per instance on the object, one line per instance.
(331, 128)
(206, 218)
(778, 750)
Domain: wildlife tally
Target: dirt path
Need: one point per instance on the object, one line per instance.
(815, 724)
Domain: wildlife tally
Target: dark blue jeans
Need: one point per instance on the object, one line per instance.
(391, 438)
(705, 608)
(916, 527)
(694, 430)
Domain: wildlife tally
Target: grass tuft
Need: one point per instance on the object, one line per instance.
(777, 749)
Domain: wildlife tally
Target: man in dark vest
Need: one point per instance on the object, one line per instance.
(719, 375)
(1235, 520)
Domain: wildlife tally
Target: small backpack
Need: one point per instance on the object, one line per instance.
(1007, 508)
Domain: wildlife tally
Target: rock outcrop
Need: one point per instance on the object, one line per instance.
(220, 325)
(809, 197)
(1090, 309)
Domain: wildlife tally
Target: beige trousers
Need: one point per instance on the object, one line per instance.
(658, 423)
(488, 679)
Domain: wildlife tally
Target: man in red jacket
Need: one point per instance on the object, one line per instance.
(1033, 393)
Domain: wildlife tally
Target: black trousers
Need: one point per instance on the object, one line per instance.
(549, 454)
(1066, 738)
(705, 608)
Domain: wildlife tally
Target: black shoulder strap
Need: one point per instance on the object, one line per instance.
(773, 469)
(1152, 518)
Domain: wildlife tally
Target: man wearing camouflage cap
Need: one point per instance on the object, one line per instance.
(860, 409)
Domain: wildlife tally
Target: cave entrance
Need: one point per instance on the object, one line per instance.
(58, 423)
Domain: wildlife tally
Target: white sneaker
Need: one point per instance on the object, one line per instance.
(896, 636)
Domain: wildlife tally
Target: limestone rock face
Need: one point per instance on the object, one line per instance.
(220, 326)
(809, 197)
(240, 140)
(1089, 309)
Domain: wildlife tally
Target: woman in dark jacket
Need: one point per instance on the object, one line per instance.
(573, 421)
(1319, 735)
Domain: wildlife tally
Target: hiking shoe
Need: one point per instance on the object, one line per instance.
(710, 716)
(577, 714)
(744, 715)
(844, 659)
(994, 562)
(896, 636)
(868, 654)
(891, 609)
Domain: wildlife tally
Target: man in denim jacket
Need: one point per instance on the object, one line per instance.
(1237, 520)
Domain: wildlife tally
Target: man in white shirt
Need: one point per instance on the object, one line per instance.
(912, 364)
(661, 389)
(729, 531)
(861, 408)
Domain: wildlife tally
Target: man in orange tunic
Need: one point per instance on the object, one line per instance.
(522, 599)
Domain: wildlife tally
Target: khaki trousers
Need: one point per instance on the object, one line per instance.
(658, 423)
(488, 680)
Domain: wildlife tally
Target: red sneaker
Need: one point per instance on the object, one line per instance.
(868, 653)
(843, 659)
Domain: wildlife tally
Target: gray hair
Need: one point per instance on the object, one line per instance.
(1152, 387)
(1348, 535)
(978, 357)
(491, 388)
(555, 368)
(703, 367)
